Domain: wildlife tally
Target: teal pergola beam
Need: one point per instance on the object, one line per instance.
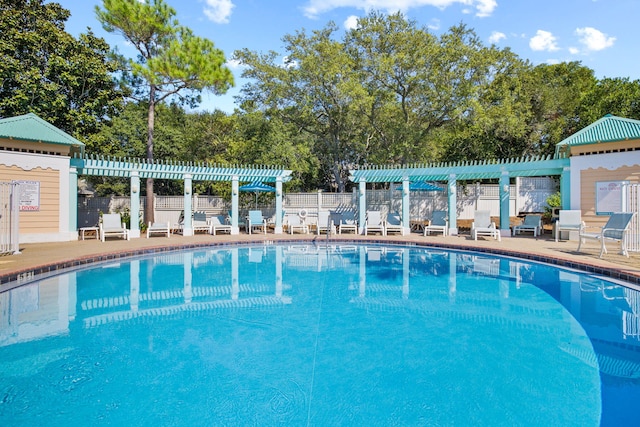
(136, 169)
(451, 173)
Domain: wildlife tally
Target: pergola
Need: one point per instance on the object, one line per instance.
(135, 169)
(451, 173)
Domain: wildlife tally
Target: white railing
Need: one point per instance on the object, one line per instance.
(9, 218)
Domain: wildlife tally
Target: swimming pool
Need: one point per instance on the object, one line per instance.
(320, 335)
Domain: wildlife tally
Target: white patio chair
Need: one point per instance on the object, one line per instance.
(393, 224)
(200, 222)
(437, 224)
(218, 223)
(483, 226)
(569, 220)
(374, 223)
(348, 222)
(325, 223)
(616, 229)
(112, 225)
(158, 228)
(530, 223)
(295, 223)
(255, 221)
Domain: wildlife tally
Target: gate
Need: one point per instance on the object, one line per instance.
(9, 218)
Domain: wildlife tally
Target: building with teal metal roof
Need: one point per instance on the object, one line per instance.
(31, 128)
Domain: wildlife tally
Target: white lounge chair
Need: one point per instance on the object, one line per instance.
(437, 224)
(616, 229)
(325, 223)
(569, 220)
(374, 223)
(255, 221)
(218, 223)
(158, 228)
(348, 222)
(393, 224)
(112, 225)
(483, 226)
(295, 223)
(200, 222)
(530, 223)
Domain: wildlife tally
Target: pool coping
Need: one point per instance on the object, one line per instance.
(25, 275)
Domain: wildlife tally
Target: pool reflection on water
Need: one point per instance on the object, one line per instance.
(311, 335)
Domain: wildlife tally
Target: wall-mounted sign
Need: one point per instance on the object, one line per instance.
(29, 196)
(610, 197)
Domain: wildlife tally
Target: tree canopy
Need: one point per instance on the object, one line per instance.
(386, 92)
(46, 71)
(172, 61)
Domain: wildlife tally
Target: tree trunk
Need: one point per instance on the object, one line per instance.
(149, 214)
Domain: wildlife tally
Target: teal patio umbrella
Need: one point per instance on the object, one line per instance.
(257, 187)
(421, 186)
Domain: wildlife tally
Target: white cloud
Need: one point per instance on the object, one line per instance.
(594, 40)
(351, 23)
(496, 36)
(218, 11)
(434, 24)
(289, 63)
(314, 8)
(485, 7)
(574, 50)
(234, 64)
(543, 40)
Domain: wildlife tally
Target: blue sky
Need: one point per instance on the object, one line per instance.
(602, 34)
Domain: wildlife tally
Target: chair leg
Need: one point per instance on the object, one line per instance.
(623, 247)
(603, 248)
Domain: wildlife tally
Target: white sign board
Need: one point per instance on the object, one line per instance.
(610, 197)
(29, 196)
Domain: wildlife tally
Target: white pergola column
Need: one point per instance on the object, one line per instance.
(406, 209)
(504, 205)
(278, 228)
(235, 229)
(453, 205)
(362, 205)
(187, 228)
(134, 226)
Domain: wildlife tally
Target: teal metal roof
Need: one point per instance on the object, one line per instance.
(525, 166)
(607, 129)
(168, 169)
(30, 127)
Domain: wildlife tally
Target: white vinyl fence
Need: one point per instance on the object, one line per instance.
(9, 218)
(526, 196)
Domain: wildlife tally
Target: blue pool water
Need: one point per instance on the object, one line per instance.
(303, 335)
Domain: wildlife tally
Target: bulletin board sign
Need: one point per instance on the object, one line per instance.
(29, 200)
(610, 197)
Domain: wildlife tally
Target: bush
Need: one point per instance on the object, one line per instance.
(553, 201)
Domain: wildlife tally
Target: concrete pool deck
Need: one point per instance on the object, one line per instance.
(38, 258)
